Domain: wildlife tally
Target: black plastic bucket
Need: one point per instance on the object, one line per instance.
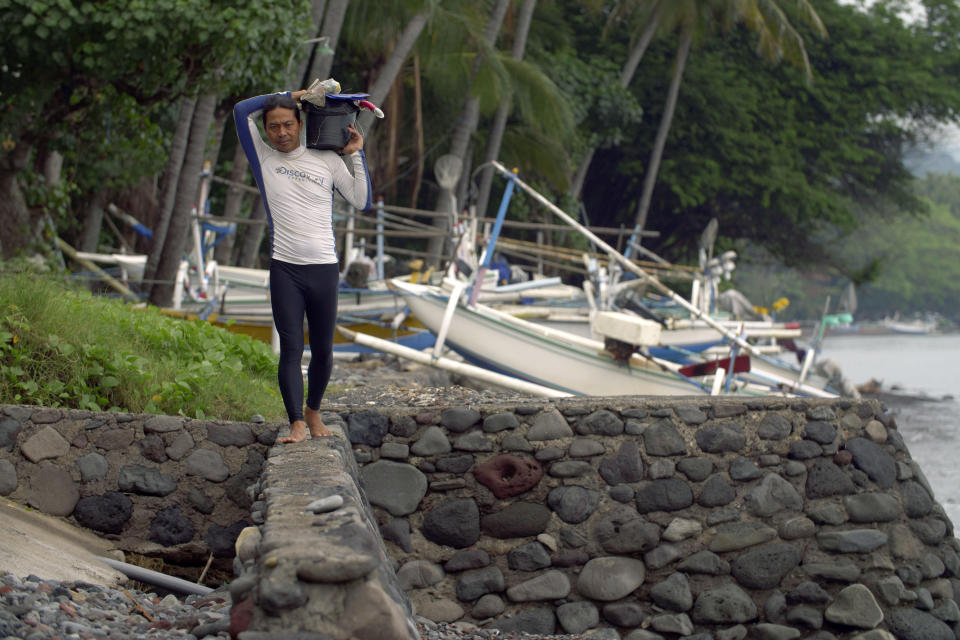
(327, 125)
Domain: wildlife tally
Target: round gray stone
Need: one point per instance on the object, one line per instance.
(207, 464)
(467, 559)
(852, 540)
(721, 437)
(163, 424)
(740, 535)
(774, 427)
(743, 470)
(913, 624)
(454, 522)
(601, 423)
(549, 425)
(705, 562)
(765, 567)
(417, 574)
(872, 507)
(473, 441)
(455, 464)
(716, 492)
(550, 585)
(169, 527)
(624, 531)
(585, 448)
(397, 487)
(572, 503)
(673, 593)
(107, 513)
(517, 520)
(145, 481)
(234, 434)
(670, 494)
(696, 469)
(773, 495)
(45, 444)
(825, 479)
(52, 490)
(870, 457)
(487, 606)
(367, 427)
(433, 441)
(624, 466)
(917, 501)
(819, 431)
(727, 604)
(662, 439)
(496, 422)
(180, 447)
(478, 582)
(855, 606)
(459, 419)
(532, 556)
(8, 478)
(93, 466)
(610, 578)
(577, 617)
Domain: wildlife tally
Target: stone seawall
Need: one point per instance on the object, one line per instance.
(156, 485)
(644, 518)
(613, 518)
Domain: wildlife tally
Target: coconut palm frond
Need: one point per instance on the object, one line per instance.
(540, 102)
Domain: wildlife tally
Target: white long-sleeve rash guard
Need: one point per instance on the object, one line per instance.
(297, 190)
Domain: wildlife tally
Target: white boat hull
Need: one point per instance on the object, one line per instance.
(515, 347)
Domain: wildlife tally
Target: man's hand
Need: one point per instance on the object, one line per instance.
(296, 95)
(355, 143)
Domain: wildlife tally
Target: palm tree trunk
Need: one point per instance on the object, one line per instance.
(92, 222)
(391, 68)
(231, 208)
(296, 79)
(332, 23)
(656, 154)
(418, 128)
(14, 214)
(466, 125)
(172, 251)
(171, 178)
(250, 247)
(492, 150)
(626, 77)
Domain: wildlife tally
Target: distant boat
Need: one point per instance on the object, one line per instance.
(913, 327)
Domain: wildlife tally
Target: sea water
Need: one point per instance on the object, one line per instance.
(920, 371)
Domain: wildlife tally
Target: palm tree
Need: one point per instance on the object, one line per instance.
(161, 294)
(650, 18)
(492, 150)
(694, 19)
(332, 23)
(466, 124)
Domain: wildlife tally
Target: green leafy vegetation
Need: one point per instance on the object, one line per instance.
(61, 346)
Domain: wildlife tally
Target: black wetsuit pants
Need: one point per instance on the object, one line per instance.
(295, 290)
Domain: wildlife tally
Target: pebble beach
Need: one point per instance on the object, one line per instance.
(35, 609)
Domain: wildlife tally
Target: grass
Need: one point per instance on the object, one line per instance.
(61, 346)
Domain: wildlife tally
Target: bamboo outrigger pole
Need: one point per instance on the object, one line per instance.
(626, 263)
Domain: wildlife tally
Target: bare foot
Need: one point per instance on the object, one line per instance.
(317, 428)
(298, 432)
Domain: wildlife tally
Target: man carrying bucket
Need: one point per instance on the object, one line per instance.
(296, 184)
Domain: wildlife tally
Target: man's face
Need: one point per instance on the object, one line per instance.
(283, 129)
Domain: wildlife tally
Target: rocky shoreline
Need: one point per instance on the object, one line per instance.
(32, 608)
